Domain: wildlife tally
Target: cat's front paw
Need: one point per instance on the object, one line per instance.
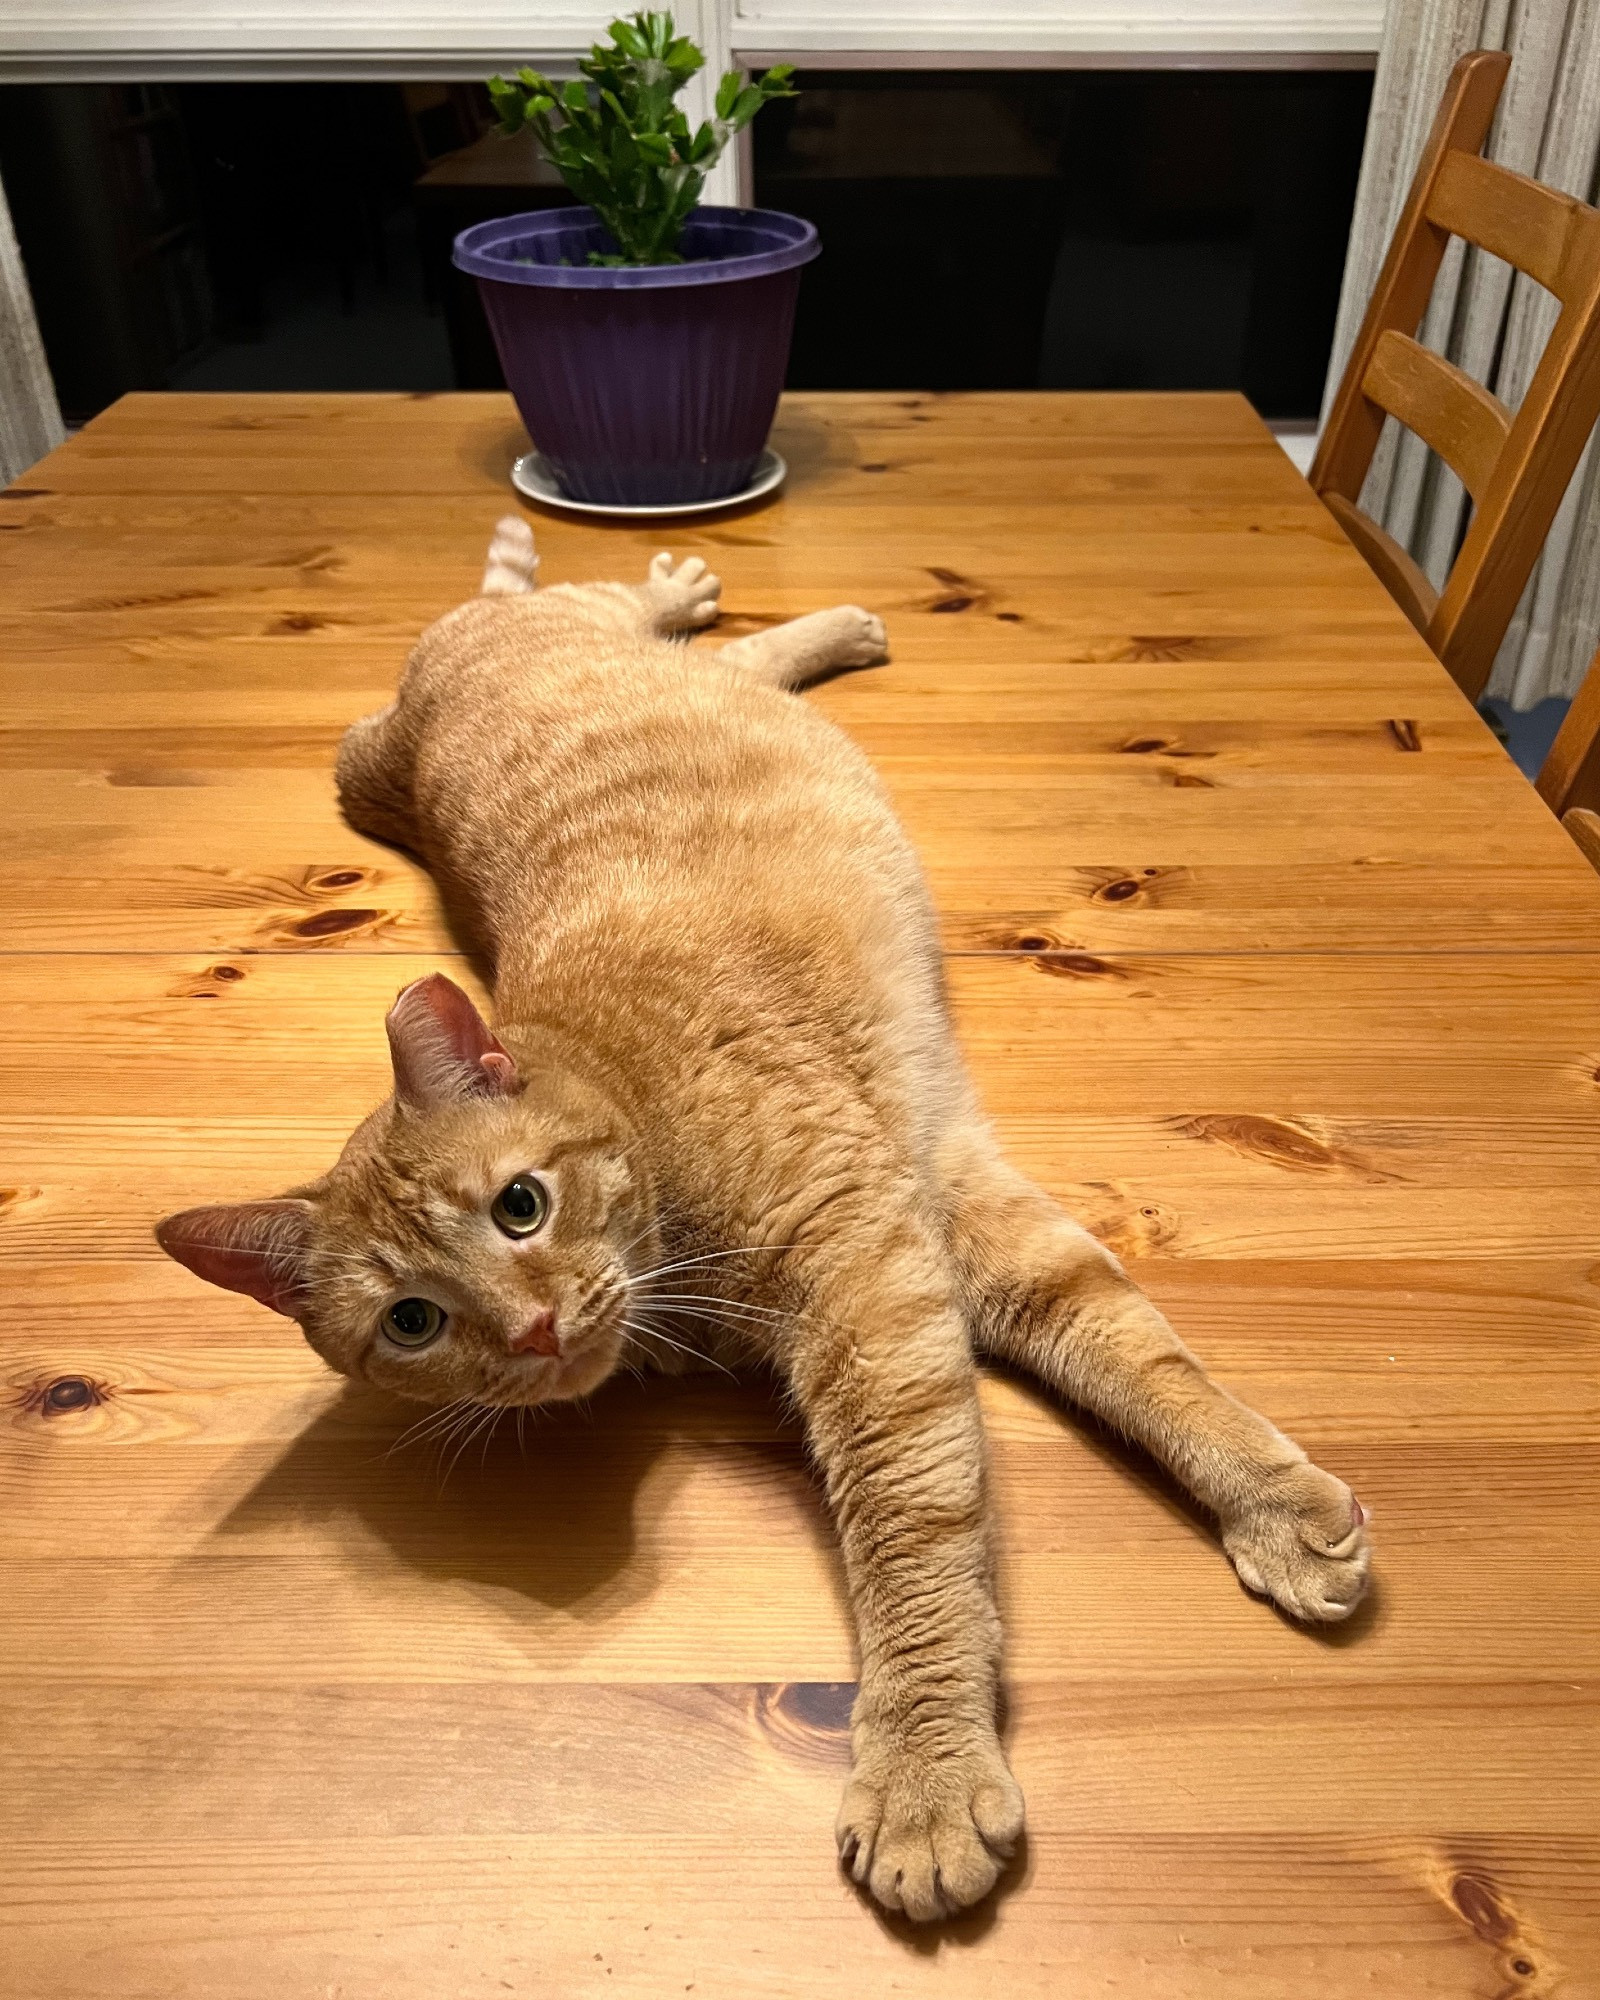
(1305, 1545)
(683, 595)
(929, 1834)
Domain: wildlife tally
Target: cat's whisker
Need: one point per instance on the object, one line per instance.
(633, 1241)
(726, 1308)
(738, 1328)
(417, 1431)
(488, 1436)
(463, 1413)
(711, 1257)
(485, 1414)
(694, 1353)
(748, 1305)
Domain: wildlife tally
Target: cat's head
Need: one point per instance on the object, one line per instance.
(471, 1241)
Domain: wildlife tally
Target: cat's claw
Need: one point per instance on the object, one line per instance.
(929, 1835)
(682, 595)
(1306, 1547)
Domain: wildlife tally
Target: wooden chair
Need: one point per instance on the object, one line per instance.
(1515, 468)
(1569, 781)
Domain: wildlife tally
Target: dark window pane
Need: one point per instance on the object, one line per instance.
(1095, 230)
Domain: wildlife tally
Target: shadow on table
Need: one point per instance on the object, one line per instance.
(1136, 1468)
(552, 1515)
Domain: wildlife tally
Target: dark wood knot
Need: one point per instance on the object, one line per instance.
(809, 1719)
(332, 923)
(70, 1392)
(1476, 1899)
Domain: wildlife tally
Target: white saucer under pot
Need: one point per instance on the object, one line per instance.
(531, 477)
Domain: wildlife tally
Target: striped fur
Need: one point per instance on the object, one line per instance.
(722, 1037)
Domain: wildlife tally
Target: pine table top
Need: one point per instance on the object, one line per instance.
(1268, 962)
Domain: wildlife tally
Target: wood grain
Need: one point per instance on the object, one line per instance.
(1268, 963)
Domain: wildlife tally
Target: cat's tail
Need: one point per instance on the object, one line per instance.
(513, 565)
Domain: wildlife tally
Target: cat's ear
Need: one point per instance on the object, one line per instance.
(255, 1247)
(442, 1047)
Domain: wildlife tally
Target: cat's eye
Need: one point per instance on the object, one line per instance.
(521, 1206)
(413, 1322)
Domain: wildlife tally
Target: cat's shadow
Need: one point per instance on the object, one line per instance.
(551, 1516)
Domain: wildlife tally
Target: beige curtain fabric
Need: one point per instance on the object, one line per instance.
(1488, 319)
(30, 419)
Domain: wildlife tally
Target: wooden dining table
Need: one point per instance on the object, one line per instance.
(1267, 962)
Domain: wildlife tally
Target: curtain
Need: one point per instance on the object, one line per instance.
(1489, 320)
(30, 420)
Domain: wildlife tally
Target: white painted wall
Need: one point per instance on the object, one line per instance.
(60, 39)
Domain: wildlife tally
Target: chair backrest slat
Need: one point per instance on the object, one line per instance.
(1395, 568)
(1584, 827)
(1504, 213)
(1570, 776)
(1410, 265)
(1516, 467)
(1458, 417)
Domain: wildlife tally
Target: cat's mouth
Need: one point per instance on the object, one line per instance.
(526, 1379)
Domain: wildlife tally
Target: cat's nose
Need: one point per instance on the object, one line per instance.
(539, 1336)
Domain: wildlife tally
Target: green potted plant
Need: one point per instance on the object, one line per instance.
(643, 335)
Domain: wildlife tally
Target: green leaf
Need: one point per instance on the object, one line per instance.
(684, 60)
(622, 143)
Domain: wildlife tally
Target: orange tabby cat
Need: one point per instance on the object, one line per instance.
(722, 1111)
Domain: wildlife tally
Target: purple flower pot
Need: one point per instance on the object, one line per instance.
(648, 385)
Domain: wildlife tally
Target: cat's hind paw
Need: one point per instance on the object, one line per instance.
(856, 637)
(682, 596)
(1306, 1547)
